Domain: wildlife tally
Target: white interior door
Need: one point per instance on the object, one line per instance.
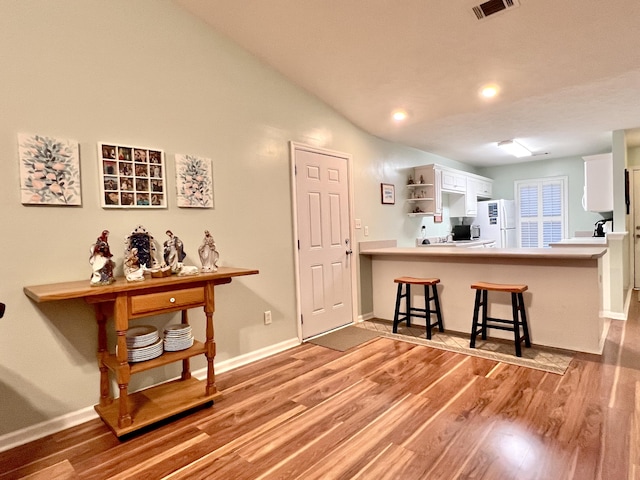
(324, 243)
(636, 228)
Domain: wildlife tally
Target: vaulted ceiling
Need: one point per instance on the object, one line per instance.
(568, 71)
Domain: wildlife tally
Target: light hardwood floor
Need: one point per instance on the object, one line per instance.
(384, 410)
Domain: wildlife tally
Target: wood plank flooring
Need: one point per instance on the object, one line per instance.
(383, 410)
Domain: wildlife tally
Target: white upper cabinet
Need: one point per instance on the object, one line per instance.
(598, 183)
(431, 182)
(423, 194)
(484, 188)
(454, 181)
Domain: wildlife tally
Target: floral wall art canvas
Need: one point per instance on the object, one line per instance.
(194, 181)
(49, 170)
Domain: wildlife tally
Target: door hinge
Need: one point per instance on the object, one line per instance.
(301, 319)
(298, 244)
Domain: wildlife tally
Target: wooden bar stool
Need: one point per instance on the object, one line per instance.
(404, 283)
(513, 325)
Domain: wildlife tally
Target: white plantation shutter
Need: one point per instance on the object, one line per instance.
(541, 211)
(552, 212)
(528, 207)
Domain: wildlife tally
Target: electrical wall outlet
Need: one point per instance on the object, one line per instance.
(267, 317)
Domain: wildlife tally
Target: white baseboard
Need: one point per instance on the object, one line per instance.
(614, 315)
(365, 316)
(625, 313)
(247, 358)
(57, 424)
(48, 427)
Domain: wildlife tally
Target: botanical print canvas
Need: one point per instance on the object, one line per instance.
(194, 181)
(49, 170)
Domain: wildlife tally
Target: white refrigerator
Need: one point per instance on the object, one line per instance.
(497, 221)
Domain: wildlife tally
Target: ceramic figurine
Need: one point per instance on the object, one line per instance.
(133, 271)
(143, 241)
(101, 262)
(173, 252)
(188, 270)
(208, 254)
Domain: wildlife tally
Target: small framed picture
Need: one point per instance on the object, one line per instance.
(388, 193)
(132, 177)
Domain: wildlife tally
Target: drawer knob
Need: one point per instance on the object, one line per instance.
(172, 300)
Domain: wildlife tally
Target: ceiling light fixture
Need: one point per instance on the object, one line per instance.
(489, 91)
(399, 115)
(514, 148)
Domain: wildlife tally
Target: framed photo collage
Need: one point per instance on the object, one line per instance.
(132, 177)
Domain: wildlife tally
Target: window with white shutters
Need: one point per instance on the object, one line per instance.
(542, 211)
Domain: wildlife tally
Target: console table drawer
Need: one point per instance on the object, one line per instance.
(174, 300)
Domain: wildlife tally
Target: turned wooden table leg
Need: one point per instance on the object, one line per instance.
(123, 373)
(103, 353)
(186, 365)
(210, 343)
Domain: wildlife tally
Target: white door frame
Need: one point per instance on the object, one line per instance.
(632, 226)
(352, 258)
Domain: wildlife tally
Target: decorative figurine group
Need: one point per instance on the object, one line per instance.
(140, 258)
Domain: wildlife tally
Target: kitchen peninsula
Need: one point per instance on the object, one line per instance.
(564, 300)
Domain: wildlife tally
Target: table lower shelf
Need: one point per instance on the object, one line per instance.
(157, 403)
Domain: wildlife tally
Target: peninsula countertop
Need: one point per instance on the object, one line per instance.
(564, 301)
(566, 253)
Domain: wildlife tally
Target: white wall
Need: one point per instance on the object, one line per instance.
(147, 73)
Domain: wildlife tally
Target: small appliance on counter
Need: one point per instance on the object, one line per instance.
(603, 227)
(461, 233)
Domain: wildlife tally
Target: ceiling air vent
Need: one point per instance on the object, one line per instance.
(492, 7)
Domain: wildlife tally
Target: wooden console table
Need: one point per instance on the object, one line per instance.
(132, 300)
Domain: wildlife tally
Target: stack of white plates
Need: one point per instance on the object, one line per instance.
(141, 336)
(177, 337)
(143, 343)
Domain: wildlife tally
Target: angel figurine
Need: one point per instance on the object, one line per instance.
(174, 252)
(208, 254)
(101, 262)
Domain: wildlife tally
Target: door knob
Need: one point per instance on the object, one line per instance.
(346, 242)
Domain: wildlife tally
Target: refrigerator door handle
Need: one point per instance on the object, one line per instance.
(503, 215)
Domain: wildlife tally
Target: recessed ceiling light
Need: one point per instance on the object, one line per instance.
(399, 115)
(489, 91)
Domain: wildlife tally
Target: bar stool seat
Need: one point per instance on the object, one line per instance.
(404, 291)
(519, 320)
